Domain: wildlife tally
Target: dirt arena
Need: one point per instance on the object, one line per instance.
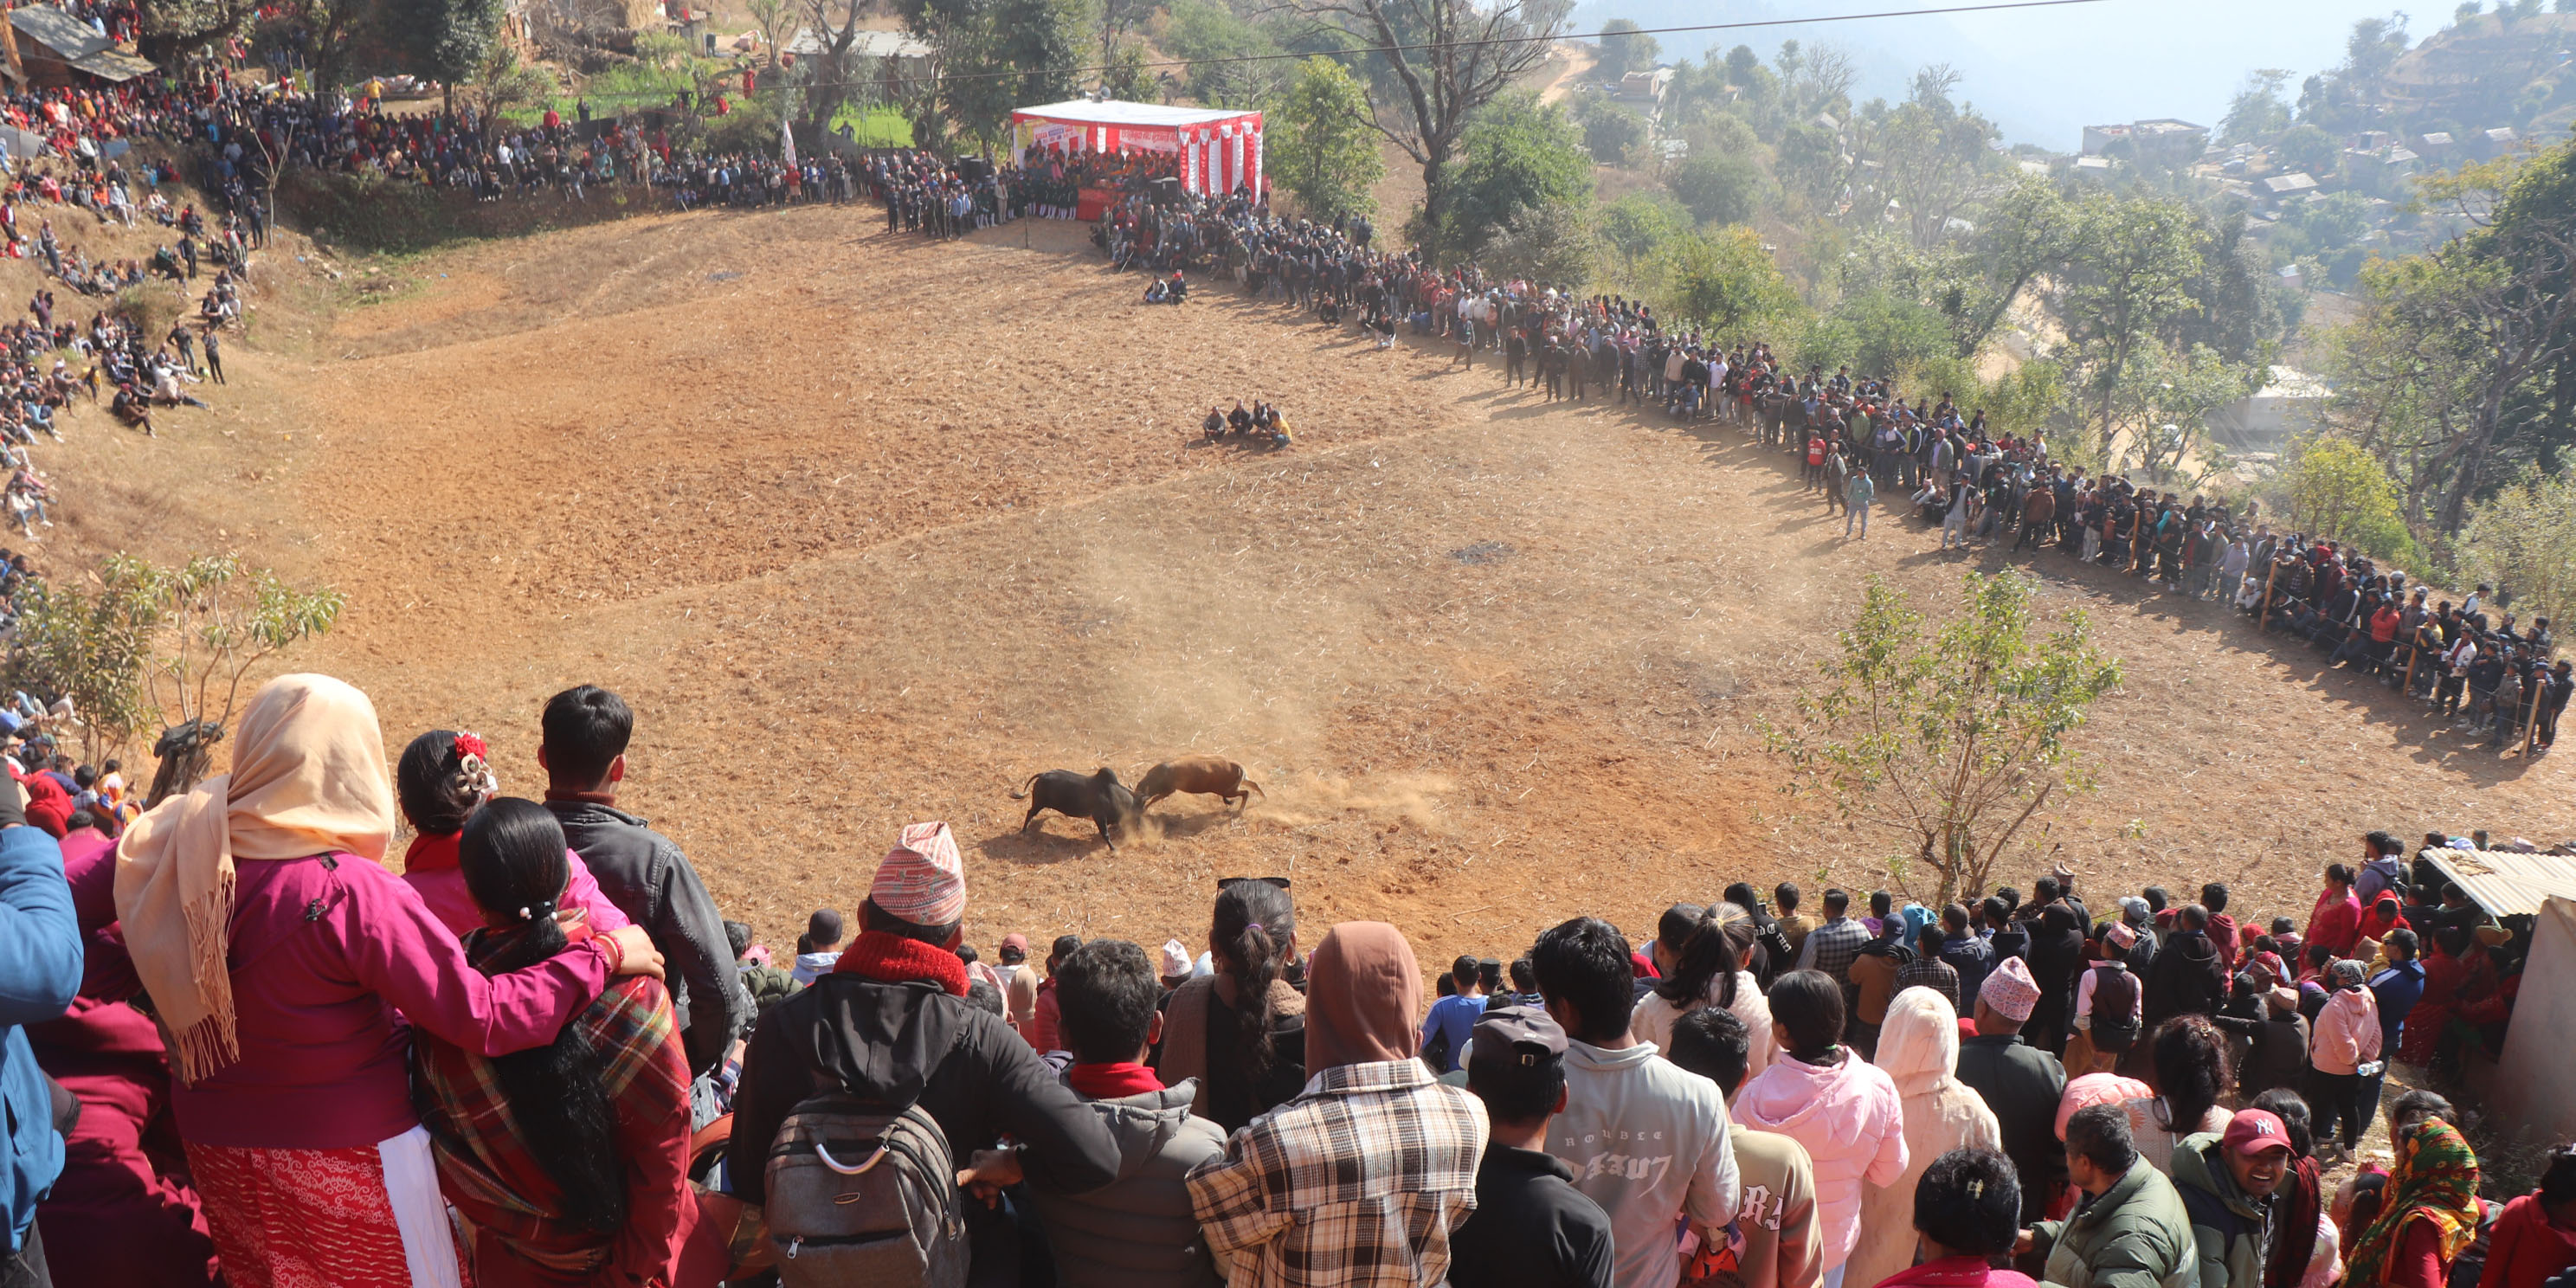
(870, 529)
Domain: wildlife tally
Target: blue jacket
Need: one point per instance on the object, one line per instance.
(40, 969)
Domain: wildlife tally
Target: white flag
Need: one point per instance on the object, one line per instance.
(787, 141)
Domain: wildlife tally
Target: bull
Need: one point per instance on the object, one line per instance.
(1099, 797)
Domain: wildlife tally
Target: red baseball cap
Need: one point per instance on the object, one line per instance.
(2252, 1131)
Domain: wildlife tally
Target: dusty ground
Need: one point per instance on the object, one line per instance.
(871, 529)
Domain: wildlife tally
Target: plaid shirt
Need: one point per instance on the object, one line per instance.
(1831, 948)
(1932, 973)
(1356, 1183)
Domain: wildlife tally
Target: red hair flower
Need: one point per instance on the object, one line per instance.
(471, 744)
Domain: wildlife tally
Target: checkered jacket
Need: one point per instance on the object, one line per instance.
(1356, 1183)
(1831, 948)
(1932, 973)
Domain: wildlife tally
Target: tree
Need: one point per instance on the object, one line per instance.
(171, 30)
(1637, 227)
(2169, 393)
(1556, 244)
(1724, 280)
(770, 17)
(215, 622)
(2134, 262)
(1928, 157)
(1949, 745)
(1520, 154)
(1621, 53)
(2257, 111)
(1221, 49)
(1319, 147)
(2462, 365)
(1444, 61)
(2525, 538)
(2029, 230)
(2307, 149)
(990, 56)
(1718, 189)
(2340, 491)
(94, 647)
(444, 40)
(1612, 133)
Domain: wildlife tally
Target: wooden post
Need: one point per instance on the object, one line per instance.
(2531, 728)
(2265, 621)
(2406, 687)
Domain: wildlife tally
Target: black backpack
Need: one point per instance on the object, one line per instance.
(2115, 1009)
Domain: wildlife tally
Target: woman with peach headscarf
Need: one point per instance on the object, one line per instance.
(284, 963)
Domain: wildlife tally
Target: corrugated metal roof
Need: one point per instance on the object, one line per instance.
(77, 43)
(2506, 883)
(112, 65)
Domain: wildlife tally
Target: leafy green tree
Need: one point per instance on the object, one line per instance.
(94, 647)
(1520, 154)
(1216, 42)
(2257, 111)
(1812, 165)
(2028, 231)
(1436, 65)
(2306, 148)
(1724, 280)
(2525, 537)
(1622, 54)
(1718, 189)
(2328, 229)
(1884, 334)
(1554, 244)
(992, 56)
(1638, 226)
(2339, 490)
(1950, 743)
(2134, 261)
(1613, 133)
(1319, 146)
(444, 40)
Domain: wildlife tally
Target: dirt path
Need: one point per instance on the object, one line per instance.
(1576, 57)
(870, 529)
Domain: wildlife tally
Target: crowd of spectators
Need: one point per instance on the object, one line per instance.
(544, 1024)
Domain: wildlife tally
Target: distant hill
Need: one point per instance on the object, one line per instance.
(2488, 73)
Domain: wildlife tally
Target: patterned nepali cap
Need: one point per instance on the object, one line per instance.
(2010, 990)
(923, 879)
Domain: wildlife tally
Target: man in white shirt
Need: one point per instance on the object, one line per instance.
(1645, 1139)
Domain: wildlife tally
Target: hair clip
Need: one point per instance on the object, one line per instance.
(1977, 1188)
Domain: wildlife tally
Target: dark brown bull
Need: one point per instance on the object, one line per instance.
(1099, 797)
(1199, 775)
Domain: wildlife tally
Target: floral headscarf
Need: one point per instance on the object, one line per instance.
(2437, 1179)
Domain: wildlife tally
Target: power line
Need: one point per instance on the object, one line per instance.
(1079, 72)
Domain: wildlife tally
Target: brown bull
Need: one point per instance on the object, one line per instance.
(1199, 775)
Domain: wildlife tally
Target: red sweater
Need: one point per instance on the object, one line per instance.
(2526, 1249)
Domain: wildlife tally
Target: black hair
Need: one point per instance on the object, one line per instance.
(1879, 902)
(2384, 843)
(1514, 1092)
(1584, 963)
(1106, 992)
(1837, 900)
(84, 777)
(586, 730)
(2453, 940)
(2420, 1103)
(2189, 1055)
(2292, 1109)
(1673, 929)
(1711, 955)
(1785, 894)
(2213, 896)
(1741, 894)
(82, 818)
(1994, 910)
(966, 953)
(2099, 1134)
(2558, 1176)
(2340, 874)
(1954, 918)
(2192, 916)
(1463, 969)
(512, 859)
(1064, 946)
(2046, 889)
(1524, 975)
(2283, 926)
(1251, 926)
(431, 783)
(1715, 1044)
(1928, 939)
(872, 917)
(2404, 940)
(738, 938)
(1969, 1201)
(1807, 1013)
(2010, 896)
(981, 995)
(2369, 1189)
(2319, 954)
(1489, 974)
(2157, 898)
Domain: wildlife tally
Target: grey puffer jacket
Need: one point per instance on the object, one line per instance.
(1139, 1231)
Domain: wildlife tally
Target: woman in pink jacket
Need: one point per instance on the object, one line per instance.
(2344, 1042)
(287, 966)
(1821, 1094)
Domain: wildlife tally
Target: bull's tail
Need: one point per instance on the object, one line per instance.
(1023, 793)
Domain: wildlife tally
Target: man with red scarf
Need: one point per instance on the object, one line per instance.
(891, 1023)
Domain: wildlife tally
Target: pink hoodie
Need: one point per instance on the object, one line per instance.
(1852, 1123)
(2347, 1032)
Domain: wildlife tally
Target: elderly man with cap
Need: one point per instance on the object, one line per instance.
(1532, 1228)
(2227, 1181)
(890, 1023)
(2019, 1082)
(1359, 1181)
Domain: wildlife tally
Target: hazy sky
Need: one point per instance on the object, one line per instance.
(2045, 73)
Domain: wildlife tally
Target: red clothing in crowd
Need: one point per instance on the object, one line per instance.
(429, 868)
(2335, 922)
(2523, 1252)
(1955, 1272)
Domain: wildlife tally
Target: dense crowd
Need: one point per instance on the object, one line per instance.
(242, 1049)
